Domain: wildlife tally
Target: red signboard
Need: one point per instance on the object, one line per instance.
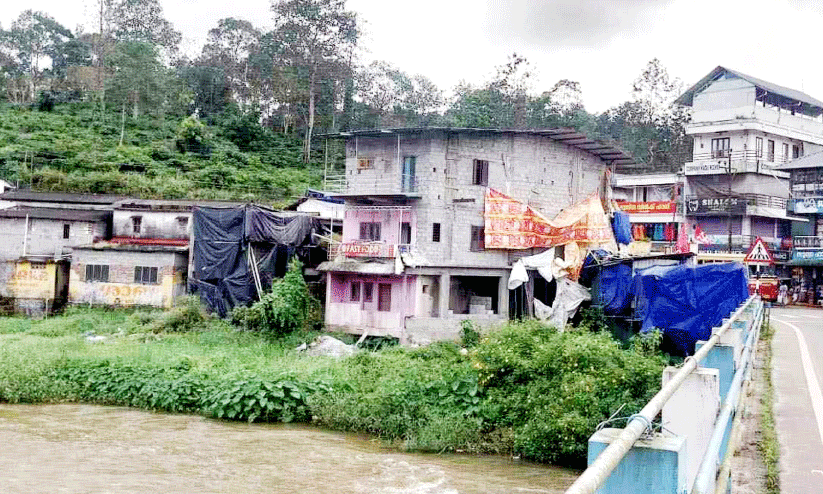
(648, 207)
(367, 250)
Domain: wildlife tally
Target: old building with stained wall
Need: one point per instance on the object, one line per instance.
(35, 252)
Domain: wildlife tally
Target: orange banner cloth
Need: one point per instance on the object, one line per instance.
(511, 224)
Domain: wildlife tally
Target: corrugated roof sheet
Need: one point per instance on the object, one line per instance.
(28, 195)
(687, 98)
(56, 214)
(610, 153)
(814, 160)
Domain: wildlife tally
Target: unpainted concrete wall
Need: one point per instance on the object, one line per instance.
(121, 290)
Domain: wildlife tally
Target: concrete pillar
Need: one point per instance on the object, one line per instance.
(691, 412)
(445, 286)
(656, 466)
(720, 357)
(503, 297)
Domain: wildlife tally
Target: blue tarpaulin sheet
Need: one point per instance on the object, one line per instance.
(685, 302)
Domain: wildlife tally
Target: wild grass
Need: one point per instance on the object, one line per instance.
(769, 446)
(523, 389)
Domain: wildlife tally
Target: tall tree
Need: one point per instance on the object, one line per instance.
(230, 47)
(316, 37)
(141, 20)
(33, 36)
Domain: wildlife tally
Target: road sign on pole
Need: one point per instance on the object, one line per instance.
(759, 253)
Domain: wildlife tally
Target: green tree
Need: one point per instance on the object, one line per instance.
(230, 46)
(32, 37)
(141, 21)
(316, 39)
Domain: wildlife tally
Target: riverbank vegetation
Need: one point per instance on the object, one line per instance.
(523, 389)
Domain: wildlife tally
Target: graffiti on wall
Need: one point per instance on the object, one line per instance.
(29, 280)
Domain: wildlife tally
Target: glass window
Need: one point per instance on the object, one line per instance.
(481, 172)
(370, 231)
(435, 232)
(384, 297)
(66, 230)
(478, 239)
(355, 291)
(145, 275)
(97, 272)
(368, 288)
(720, 147)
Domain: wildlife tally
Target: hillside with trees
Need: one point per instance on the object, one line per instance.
(118, 109)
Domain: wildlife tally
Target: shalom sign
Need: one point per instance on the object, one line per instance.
(708, 205)
(648, 207)
(367, 250)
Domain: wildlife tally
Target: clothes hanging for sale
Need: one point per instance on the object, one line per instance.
(669, 232)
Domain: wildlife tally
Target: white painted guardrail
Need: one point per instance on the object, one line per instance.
(602, 467)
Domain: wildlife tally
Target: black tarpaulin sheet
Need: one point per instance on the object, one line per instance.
(222, 239)
(685, 302)
(265, 225)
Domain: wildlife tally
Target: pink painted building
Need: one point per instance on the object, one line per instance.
(412, 261)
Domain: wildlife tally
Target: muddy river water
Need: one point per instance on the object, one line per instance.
(93, 449)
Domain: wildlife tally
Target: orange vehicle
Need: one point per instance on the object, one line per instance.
(767, 286)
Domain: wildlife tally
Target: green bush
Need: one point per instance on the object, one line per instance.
(554, 388)
(284, 309)
(187, 315)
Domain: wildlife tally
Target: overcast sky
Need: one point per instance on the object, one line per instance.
(603, 44)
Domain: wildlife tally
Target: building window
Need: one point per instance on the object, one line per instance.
(405, 233)
(145, 275)
(66, 230)
(795, 152)
(435, 232)
(136, 223)
(370, 231)
(97, 272)
(785, 152)
(478, 240)
(354, 293)
(384, 297)
(720, 147)
(368, 288)
(770, 151)
(758, 147)
(481, 172)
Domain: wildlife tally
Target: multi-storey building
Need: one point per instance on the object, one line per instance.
(743, 129)
(412, 262)
(807, 236)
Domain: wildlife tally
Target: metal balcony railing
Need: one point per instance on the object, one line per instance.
(373, 185)
(741, 157)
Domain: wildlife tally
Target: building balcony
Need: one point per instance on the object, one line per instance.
(722, 161)
(394, 185)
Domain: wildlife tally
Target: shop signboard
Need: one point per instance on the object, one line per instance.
(781, 255)
(808, 242)
(712, 205)
(648, 207)
(807, 255)
(709, 168)
(807, 205)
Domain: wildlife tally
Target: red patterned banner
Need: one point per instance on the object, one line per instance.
(511, 224)
(648, 207)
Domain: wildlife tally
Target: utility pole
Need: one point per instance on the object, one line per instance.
(729, 199)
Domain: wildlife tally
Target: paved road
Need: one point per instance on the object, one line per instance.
(797, 373)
